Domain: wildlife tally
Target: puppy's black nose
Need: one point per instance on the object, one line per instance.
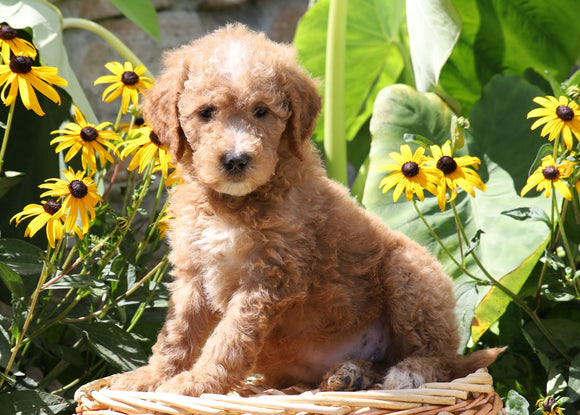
(235, 162)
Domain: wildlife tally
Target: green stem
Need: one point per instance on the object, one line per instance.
(334, 93)
(153, 221)
(514, 297)
(142, 306)
(106, 308)
(29, 317)
(442, 245)
(358, 187)
(6, 134)
(107, 36)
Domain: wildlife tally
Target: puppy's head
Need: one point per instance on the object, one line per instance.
(229, 106)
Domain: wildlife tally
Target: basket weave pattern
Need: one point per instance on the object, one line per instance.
(471, 395)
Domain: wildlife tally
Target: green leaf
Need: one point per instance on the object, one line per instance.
(400, 109)
(516, 404)
(574, 379)
(494, 304)
(565, 332)
(113, 344)
(142, 13)
(372, 57)
(21, 256)
(5, 349)
(12, 280)
(9, 180)
(466, 295)
(45, 21)
(434, 27)
(510, 37)
(532, 214)
(32, 402)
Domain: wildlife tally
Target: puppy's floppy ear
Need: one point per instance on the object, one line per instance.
(305, 104)
(160, 103)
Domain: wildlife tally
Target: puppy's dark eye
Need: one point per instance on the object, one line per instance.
(260, 112)
(207, 113)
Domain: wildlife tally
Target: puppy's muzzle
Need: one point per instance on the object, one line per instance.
(235, 163)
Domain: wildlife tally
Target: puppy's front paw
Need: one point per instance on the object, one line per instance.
(186, 384)
(401, 378)
(143, 379)
(350, 375)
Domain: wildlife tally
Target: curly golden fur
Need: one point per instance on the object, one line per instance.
(277, 271)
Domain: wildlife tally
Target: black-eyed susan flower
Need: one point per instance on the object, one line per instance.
(23, 78)
(10, 42)
(172, 176)
(79, 197)
(559, 116)
(549, 406)
(91, 140)
(455, 173)
(548, 175)
(410, 174)
(125, 82)
(164, 223)
(49, 214)
(145, 148)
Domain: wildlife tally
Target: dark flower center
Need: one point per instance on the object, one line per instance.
(549, 404)
(447, 165)
(7, 33)
(551, 173)
(129, 78)
(78, 189)
(139, 121)
(20, 64)
(565, 113)
(154, 139)
(410, 169)
(51, 207)
(89, 133)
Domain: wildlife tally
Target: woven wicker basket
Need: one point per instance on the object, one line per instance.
(472, 395)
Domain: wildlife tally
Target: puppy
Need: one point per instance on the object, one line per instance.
(277, 271)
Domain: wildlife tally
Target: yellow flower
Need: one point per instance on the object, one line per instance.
(173, 176)
(23, 79)
(455, 173)
(145, 148)
(48, 214)
(163, 225)
(549, 406)
(88, 138)
(80, 197)
(560, 116)
(410, 174)
(550, 174)
(10, 41)
(126, 81)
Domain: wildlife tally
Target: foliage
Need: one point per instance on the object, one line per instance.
(88, 303)
(420, 73)
(468, 72)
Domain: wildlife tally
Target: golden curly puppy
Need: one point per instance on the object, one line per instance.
(277, 271)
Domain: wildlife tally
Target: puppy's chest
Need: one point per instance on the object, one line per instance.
(225, 252)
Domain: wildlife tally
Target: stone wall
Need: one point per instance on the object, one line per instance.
(180, 21)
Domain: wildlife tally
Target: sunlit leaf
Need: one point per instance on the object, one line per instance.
(400, 109)
(434, 27)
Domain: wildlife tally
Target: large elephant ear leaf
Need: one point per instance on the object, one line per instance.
(497, 119)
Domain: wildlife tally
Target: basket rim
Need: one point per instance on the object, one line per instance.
(472, 394)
